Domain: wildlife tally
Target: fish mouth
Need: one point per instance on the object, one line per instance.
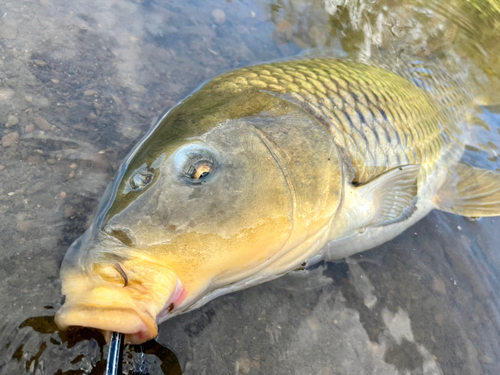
(100, 299)
(138, 328)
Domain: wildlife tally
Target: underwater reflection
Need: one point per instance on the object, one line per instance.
(83, 351)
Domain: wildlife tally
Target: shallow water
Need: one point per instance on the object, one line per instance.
(80, 82)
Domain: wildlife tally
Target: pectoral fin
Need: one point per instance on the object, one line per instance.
(388, 198)
(470, 191)
(393, 194)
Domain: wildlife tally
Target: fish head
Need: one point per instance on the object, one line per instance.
(193, 211)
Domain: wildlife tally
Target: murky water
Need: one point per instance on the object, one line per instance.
(81, 81)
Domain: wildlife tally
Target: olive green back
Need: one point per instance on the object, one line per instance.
(378, 119)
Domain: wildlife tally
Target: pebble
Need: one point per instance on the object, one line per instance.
(55, 81)
(100, 162)
(219, 16)
(24, 226)
(243, 365)
(29, 128)
(6, 94)
(93, 118)
(8, 30)
(68, 211)
(40, 63)
(117, 100)
(438, 286)
(283, 26)
(42, 123)
(439, 318)
(11, 121)
(63, 194)
(71, 174)
(45, 3)
(10, 139)
(486, 359)
(73, 166)
(41, 102)
(28, 98)
(90, 93)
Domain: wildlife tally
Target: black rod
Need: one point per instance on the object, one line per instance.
(115, 354)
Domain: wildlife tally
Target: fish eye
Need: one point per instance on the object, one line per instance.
(198, 168)
(140, 179)
(195, 162)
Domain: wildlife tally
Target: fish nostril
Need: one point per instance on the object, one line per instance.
(121, 236)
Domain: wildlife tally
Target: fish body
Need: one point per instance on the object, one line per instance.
(250, 176)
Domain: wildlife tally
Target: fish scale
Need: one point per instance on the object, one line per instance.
(381, 119)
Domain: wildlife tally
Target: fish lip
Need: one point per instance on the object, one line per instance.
(137, 327)
(172, 305)
(96, 301)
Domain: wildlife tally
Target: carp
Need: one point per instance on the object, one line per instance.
(251, 175)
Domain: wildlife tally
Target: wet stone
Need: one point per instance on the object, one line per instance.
(41, 102)
(40, 63)
(93, 118)
(439, 318)
(8, 30)
(42, 123)
(438, 286)
(89, 93)
(34, 159)
(69, 212)
(243, 366)
(11, 121)
(486, 359)
(10, 139)
(29, 128)
(6, 94)
(219, 16)
(283, 26)
(45, 200)
(100, 162)
(24, 226)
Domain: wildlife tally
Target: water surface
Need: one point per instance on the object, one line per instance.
(82, 81)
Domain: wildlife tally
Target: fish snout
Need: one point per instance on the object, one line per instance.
(125, 298)
(138, 326)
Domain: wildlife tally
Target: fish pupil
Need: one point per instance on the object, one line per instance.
(201, 170)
